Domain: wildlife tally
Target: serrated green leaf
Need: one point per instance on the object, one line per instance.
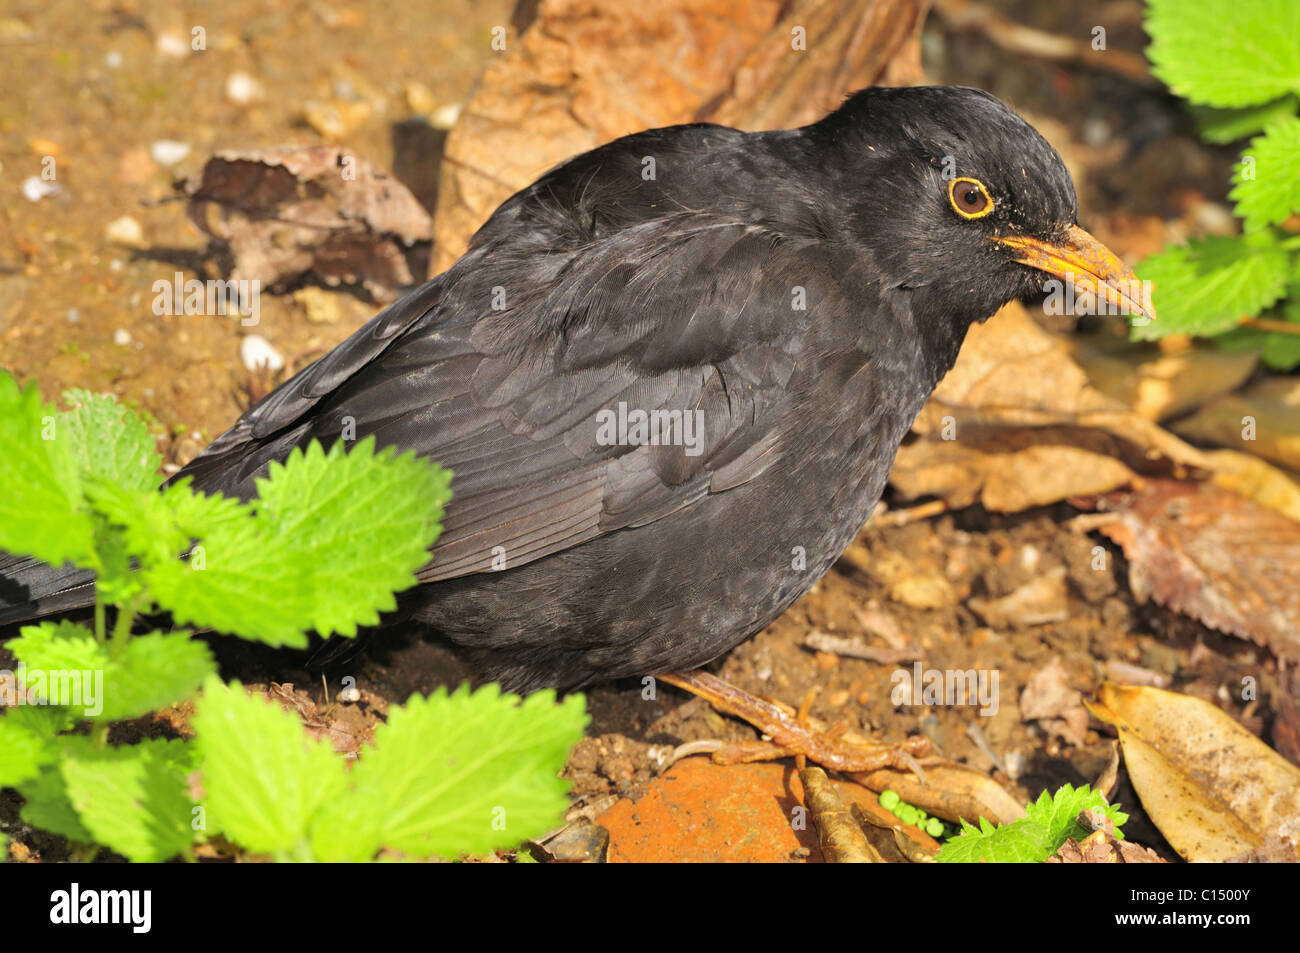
(47, 807)
(1058, 814)
(1019, 843)
(155, 670)
(145, 521)
(1206, 286)
(321, 518)
(64, 664)
(133, 798)
(460, 773)
(40, 508)
(1047, 824)
(109, 443)
(263, 777)
(1267, 190)
(1225, 52)
(1228, 125)
(45, 721)
(23, 752)
(1279, 351)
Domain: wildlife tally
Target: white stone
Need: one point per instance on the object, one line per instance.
(256, 351)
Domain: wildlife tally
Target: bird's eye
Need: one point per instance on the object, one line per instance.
(969, 198)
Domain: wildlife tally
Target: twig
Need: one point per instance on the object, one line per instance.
(1009, 35)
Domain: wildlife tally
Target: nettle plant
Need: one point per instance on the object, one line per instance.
(1238, 63)
(329, 540)
(1048, 823)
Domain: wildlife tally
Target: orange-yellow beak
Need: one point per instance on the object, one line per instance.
(1089, 266)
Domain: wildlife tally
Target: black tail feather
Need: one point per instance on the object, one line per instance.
(31, 589)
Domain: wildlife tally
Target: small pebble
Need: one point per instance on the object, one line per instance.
(256, 351)
(125, 231)
(335, 119)
(419, 98)
(73, 315)
(121, 337)
(350, 694)
(444, 117)
(34, 188)
(242, 88)
(172, 43)
(168, 151)
(113, 59)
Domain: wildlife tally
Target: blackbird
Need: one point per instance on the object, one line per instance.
(671, 375)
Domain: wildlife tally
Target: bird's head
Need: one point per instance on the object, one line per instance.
(964, 204)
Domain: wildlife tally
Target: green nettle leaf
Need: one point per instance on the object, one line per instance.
(1228, 125)
(1047, 824)
(458, 773)
(45, 721)
(1226, 52)
(143, 522)
(1059, 813)
(133, 798)
(23, 752)
(109, 442)
(40, 508)
(155, 670)
(47, 806)
(1206, 286)
(1281, 352)
(1019, 843)
(362, 516)
(1267, 189)
(263, 777)
(64, 662)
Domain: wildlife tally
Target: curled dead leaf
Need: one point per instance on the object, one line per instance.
(1215, 556)
(842, 840)
(1016, 424)
(292, 210)
(1213, 788)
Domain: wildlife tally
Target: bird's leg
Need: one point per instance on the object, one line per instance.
(792, 733)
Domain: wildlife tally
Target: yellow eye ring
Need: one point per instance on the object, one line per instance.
(969, 198)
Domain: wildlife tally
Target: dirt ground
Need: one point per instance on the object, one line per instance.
(103, 82)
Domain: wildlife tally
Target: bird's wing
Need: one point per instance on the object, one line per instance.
(660, 317)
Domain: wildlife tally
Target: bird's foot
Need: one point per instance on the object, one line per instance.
(792, 733)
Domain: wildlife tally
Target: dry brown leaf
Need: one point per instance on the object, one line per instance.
(842, 840)
(1100, 847)
(1263, 419)
(1158, 384)
(1016, 424)
(1256, 480)
(583, 72)
(292, 210)
(1213, 555)
(1213, 788)
(1048, 698)
(1041, 600)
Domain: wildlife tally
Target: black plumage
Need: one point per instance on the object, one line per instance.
(802, 290)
